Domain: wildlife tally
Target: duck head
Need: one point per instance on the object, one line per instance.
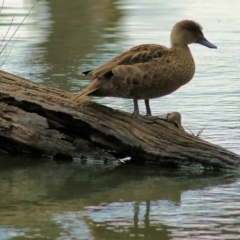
(186, 32)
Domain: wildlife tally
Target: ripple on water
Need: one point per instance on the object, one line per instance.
(211, 213)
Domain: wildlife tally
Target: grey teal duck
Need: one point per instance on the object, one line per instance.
(149, 70)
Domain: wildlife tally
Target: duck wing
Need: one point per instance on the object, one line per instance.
(138, 54)
(132, 63)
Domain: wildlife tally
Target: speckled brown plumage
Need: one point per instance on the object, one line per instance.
(149, 70)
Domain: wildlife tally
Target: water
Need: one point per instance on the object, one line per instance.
(44, 199)
(78, 200)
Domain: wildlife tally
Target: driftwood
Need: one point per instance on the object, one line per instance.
(43, 120)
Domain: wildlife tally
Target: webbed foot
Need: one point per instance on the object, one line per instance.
(146, 118)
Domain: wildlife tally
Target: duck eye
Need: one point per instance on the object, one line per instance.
(192, 28)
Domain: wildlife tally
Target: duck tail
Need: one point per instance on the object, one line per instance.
(92, 87)
(83, 94)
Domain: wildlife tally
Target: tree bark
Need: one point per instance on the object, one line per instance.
(43, 120)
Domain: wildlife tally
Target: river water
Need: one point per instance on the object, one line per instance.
(46, 199)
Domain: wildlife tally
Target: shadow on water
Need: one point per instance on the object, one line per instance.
(99, 199)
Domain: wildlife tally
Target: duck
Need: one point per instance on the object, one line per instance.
(148, 71)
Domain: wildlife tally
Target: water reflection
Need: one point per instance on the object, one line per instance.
(57, 43)
(111, 201)
(202, 213)
(74, 36)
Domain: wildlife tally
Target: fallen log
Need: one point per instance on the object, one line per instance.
(43, 120)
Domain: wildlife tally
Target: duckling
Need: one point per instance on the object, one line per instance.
(149, 70)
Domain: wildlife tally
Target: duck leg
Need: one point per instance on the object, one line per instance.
(148, 118)
(136, 108)
(148, 109)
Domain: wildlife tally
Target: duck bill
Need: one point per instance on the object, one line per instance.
(205, 42)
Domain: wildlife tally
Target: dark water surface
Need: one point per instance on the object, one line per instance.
(93, 200)
(44, 199)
